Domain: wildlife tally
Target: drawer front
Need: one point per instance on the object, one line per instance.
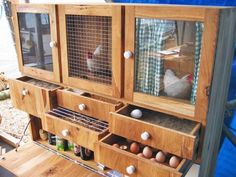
(119, 160)
(92, 107)
(181, 144)
(75, 133)
(29, 98)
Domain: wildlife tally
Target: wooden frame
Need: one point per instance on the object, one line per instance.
(53, 76)
(180, 108)
(115, 89)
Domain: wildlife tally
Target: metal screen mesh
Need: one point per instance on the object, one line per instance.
(89, 47)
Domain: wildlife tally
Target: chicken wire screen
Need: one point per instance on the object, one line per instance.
(89, 47)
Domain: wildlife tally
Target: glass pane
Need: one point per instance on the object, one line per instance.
(35, 37)
(89, 45)
(167, 57)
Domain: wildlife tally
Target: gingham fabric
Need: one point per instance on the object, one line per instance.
(197, 57)
(150, 38)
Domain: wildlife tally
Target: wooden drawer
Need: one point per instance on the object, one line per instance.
(94, 106)
(32, 96)
(158, 130)
(118, 159)
(75, 127)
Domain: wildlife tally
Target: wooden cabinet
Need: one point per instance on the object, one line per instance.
(91, 48)
(169, 58)
(36, 40)
(157, 59)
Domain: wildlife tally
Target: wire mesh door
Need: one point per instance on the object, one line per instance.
(89, 44)
(91, 48)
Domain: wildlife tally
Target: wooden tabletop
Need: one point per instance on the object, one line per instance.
(33, 160)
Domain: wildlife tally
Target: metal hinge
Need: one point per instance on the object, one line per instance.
(208, 91)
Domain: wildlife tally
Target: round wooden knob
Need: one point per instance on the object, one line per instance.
(82, 107)
(128, 54)
(145, 136)
(130, 169)
(53, 44)
(25, 92)
(65, 132)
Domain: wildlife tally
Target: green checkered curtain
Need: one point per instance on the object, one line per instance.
(197, 57)
(150, 39)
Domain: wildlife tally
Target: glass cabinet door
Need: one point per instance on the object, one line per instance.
(167, 57)
(36, 40)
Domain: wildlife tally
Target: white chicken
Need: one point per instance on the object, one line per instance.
(92, 60)
(176, 87)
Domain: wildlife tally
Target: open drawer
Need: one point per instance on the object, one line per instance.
(32, 96)
(131, 164)
(86, 103)
(158, 130)
(75, 127)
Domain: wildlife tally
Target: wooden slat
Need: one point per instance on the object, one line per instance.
(170, 13)
(129, 46)
(32, 159)
(88, 10)
(117, 59)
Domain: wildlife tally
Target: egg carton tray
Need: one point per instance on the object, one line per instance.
(80, 119)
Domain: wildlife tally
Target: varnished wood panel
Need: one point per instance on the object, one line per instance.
(163, 12)
(77, 134)
(94, 107)
(31, 159)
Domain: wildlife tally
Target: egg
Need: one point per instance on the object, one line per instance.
(136, 113)
(160, 157)
(134, 148)
(153, 160)
(140, 155)
(174, 161)
(147, 152)
(123, 147)
(116, 145)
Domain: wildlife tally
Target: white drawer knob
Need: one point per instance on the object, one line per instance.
(82, 107)
(145, 136)
(25, 92)
(128, 54)
(65, 132)
(130, 169)
(53, 44)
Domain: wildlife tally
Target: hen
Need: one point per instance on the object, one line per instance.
(92, 60)
(177, 87)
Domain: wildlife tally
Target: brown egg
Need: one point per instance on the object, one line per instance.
(147, 152)
(153, 160)
(134, 148)
(174, 161)
(116, 145)
(140, 155)
(160, 157)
